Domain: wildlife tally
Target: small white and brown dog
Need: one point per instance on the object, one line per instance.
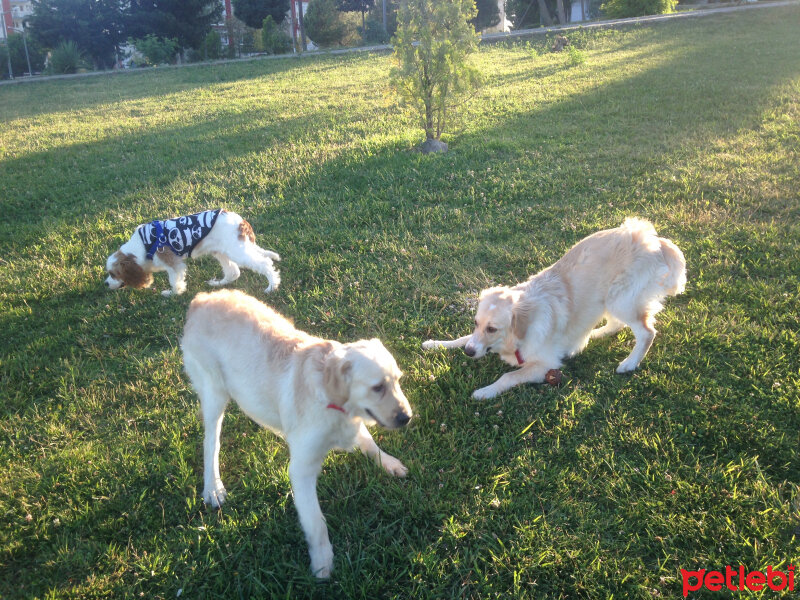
(317, 394)
(618, 274)
(165, 245)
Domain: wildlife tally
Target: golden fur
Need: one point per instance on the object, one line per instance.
(619, 274)
(317, 394)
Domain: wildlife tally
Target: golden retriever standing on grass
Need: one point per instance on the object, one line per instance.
(317, 394)
(618, 274)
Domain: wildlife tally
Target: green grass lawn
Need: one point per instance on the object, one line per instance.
(604, 487)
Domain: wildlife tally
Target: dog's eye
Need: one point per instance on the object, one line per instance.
(491, 329)
(378, 389)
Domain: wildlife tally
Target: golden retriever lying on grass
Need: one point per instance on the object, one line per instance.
(618, 274)
(317, 394)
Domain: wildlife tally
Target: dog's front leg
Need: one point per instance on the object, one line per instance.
(369, 448)
(303, 472)
(459, 343)
(177, 280)
(528, 373)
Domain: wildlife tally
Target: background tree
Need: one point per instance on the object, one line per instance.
(323, 23)
(211, 48)
(373, 31)
(19, 62)
(362, 6)
(187, 21)
(241, 36)
(96, 27)
(433, 40)
(488, 14)
(274, 38)
(156, 51)
(253, 12)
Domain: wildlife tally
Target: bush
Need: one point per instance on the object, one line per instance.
(324, 24)
(620, 9)
(19, 63)
(373, 29)
(211, 48)
(575, 57)
(156, 50)
(65, 58)
(273, 38)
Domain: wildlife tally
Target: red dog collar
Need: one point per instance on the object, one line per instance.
(519, 356)
(335, 407)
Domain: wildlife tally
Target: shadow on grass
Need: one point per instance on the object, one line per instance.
(344, 214)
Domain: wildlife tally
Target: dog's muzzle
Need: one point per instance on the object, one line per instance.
(402, 419)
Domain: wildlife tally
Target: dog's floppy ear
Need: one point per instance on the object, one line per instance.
(521, 313)
(336, 377)
(130, 273)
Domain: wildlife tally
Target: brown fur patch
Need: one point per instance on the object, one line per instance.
(521, 318)
(246, 232)
(168, 257)
(128, 271)
(335, 378)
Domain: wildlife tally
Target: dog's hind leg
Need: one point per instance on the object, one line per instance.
(459, 343)
(613, 325)
(304, 468)
(369, 448)
(254, 258)
(230, 270)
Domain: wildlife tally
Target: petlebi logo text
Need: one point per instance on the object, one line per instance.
(738, 580)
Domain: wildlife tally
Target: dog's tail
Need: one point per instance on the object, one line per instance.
(674, 281)
(271, 254)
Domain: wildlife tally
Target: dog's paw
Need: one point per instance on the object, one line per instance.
(216, 282)
(215, 497)
(393, 466)
(627, 366)
(322, 560)
(166, 293)
(484, 393)
(429, 345)
(275, 256)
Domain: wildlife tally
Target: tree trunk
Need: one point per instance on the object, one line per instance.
(562, 13)
(429, 132)
(544, 14)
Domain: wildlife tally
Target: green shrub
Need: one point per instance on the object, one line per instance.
(620, 9)
(274, 39)
(324, 24)
(65, 58)
(373, 28)
(156, 50)
(19, 62)
(575, 57)
(211, 48)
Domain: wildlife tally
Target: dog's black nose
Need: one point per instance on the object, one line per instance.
(402, 419)
(469, 350)
(107, 284)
